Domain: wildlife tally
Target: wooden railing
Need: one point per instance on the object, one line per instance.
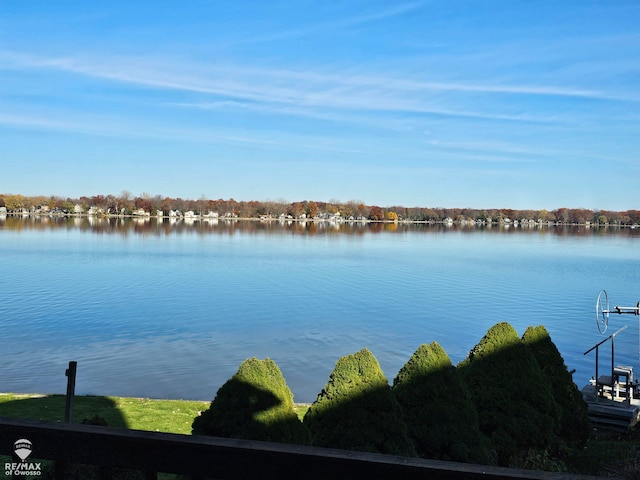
(224, 458)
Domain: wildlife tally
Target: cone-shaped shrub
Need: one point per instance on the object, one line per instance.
(575, 426)
(255, 403)
(357, 411)
(512, 396)
(441, 418)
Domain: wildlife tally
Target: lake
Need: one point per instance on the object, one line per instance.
(164, 310)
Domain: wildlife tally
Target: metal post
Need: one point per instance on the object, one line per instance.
(71, 389)
(612, 365)
(597, 386)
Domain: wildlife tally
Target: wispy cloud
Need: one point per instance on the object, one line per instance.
(332, 25)
(296, 92)
(130, 128)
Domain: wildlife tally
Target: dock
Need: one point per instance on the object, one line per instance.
(612, 399)
(605, 407)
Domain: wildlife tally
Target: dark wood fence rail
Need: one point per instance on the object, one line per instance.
(223, 458)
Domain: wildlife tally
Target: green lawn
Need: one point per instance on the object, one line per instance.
(172, 416)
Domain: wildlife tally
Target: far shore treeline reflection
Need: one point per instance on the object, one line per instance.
(165, 226)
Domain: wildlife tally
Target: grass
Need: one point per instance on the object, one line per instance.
(171, 416)
(609, 453)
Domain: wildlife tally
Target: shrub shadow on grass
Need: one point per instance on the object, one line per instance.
(51, 408)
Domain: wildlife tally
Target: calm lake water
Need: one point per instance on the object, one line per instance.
(170, 311)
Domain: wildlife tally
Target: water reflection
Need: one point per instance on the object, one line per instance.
(173, 226)
(186, 302)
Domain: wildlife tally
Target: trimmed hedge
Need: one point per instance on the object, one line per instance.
(574, 425)
(356, 410)
(255, 403)
(511, 402)
(436, 407)
(512, 396)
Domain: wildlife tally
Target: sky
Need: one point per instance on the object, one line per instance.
(482, 104)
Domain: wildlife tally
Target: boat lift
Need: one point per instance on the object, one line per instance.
(613, 398)
(603, 311)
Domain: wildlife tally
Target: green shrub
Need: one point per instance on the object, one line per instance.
(357, 411)
(255, 403)
(441, 418)
(574, 425)
(512, 396)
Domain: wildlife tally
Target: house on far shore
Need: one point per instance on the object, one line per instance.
(159, 213)
(140, 212)
(77, 208)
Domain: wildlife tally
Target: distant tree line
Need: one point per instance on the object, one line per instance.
(511, 402)
(353, 208)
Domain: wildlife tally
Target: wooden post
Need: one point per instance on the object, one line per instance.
(61, 465)
(71, 389)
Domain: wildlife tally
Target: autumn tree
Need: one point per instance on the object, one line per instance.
(331, 207)
(429, 214)
(68, 205)
(312, 209)
(349, 209)
(295, 209)
(144, 203)
(391, 216)
(561, 215)
(633, 215)
(545, 216)
(14, 202)
(376, 213)
(125, 202)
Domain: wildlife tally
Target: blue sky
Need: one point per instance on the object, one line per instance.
(483, 104)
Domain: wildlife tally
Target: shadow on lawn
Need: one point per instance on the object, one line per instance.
(51, 408)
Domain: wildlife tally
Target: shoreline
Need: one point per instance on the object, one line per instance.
(333, 221)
